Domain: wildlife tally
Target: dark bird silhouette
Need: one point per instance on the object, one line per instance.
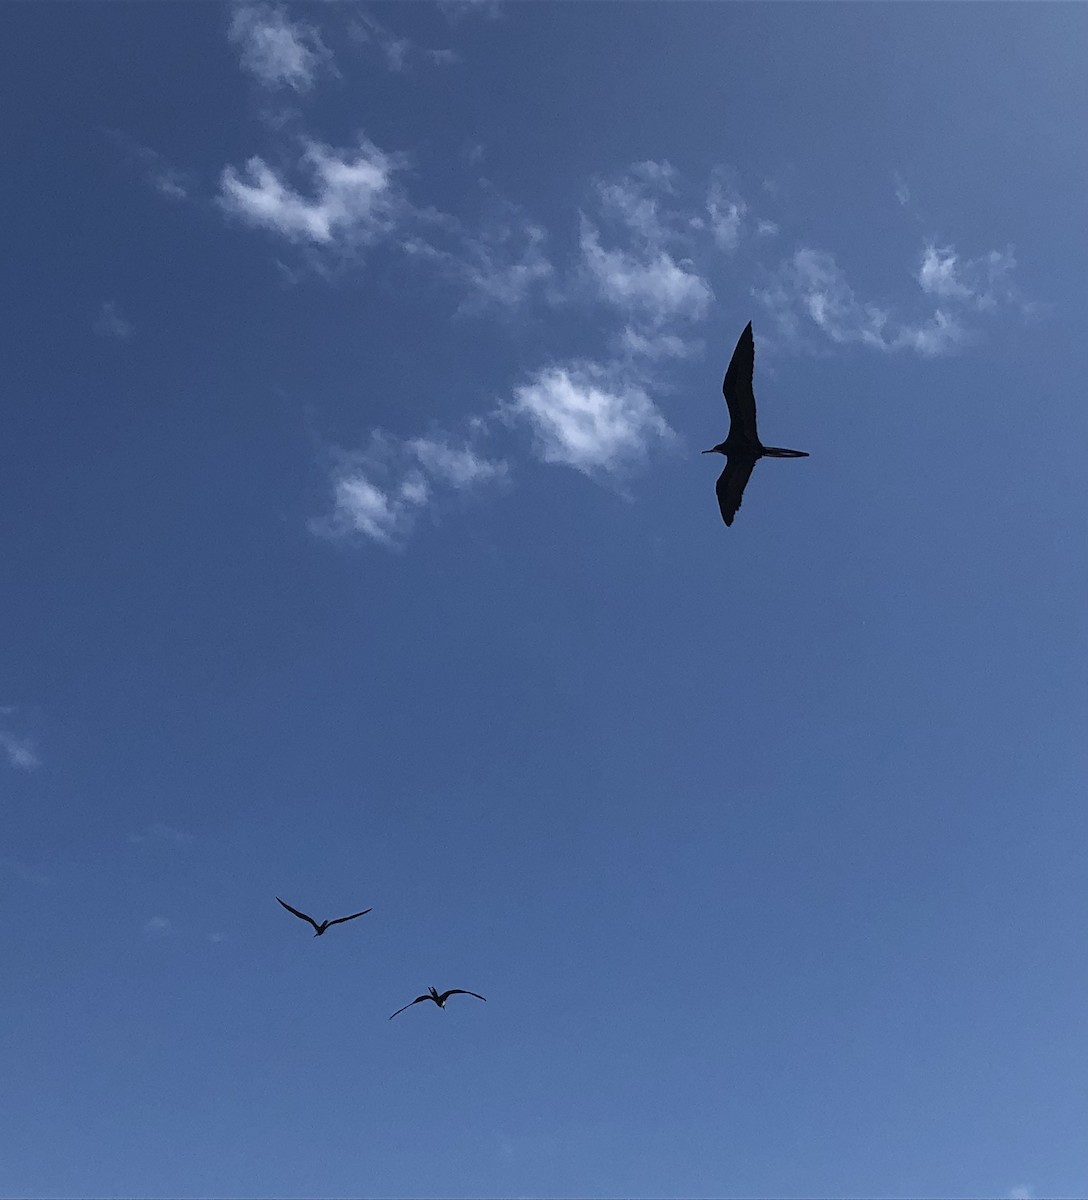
(742, 448)
(440, 1000)
(324, 924)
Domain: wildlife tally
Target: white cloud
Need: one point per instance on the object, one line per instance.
(587, 417)
(379, 492)
(726, 211)
(644, 275)
(654, 284)
(811, 287)
(981, 283)
(458, 466)
(157, 926)
(20, 751)
(277, 51)
(654, 345)
(360, 506)
(110, 322)
(1023, 1192)
(353, 198)
(636, 199)
(766, 228)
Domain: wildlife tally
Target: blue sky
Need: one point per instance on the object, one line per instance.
(357, 549)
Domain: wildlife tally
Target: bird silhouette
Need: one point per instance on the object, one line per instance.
(324, 924)
(440, 1000)
(742, 447)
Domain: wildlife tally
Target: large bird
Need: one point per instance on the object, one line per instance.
(742, 448)
(439, 999)
(324, 924)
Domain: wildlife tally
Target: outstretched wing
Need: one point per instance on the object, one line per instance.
(301, 915)
(459, 992)
(737, 388)
(409, 1005)
(732, 482)
(341, 920)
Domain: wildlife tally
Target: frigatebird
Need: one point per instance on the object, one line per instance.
(324, 924)
(742, 447)
(440, 1000)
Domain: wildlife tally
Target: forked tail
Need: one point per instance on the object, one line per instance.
(778, 452)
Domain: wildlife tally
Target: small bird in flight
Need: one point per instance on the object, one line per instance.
(742, 447)
(324, 924)
(440, 1000)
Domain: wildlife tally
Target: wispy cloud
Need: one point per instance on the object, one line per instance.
(162, 835)
(352, 198)
(643, 199)
(379, 492)
(654, 345)
(646, 275)
(1023, 1192)
(726, 211)
(455, 10)
(500, 266)
(982, 283)
(157, 926)
(653, 284)
(397, 50)
(166, 179)
(277, 51)
(588, 416)
(110, 323)
(810, 291)
(19, 750)
(902, 192)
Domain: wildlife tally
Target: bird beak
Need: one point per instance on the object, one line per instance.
(710, 451)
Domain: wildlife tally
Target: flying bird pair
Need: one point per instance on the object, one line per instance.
(439, 998)
(742, 447)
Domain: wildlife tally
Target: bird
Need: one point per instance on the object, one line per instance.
(742, 447)
(324, 924)
(439, 999)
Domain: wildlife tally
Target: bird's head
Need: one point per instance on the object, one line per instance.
(718, 449)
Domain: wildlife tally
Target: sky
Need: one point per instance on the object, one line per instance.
(356, 548)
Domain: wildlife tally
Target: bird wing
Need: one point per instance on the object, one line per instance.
(732, 482)
(409, 1005)
(737, 387)
(341, 920)
(459, 992)
(302, 915)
